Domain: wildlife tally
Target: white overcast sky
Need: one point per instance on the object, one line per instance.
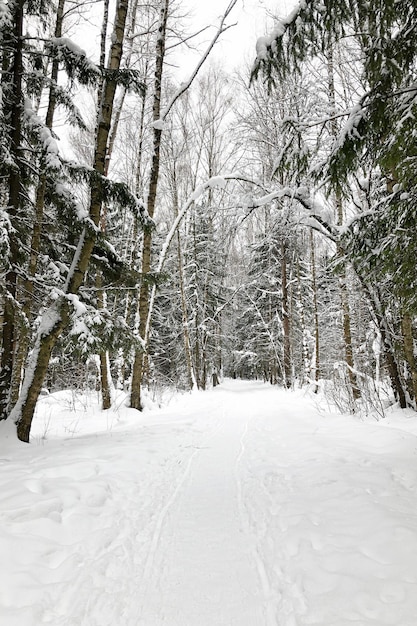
(252, 19)
(238, 43)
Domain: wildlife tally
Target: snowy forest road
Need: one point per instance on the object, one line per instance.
(201, 568)
(246, 505)
(282, 519)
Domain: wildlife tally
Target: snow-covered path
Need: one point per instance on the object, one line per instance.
(200, 568)
(244, 506)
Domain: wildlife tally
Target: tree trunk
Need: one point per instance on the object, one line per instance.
(54, 320)
(57, 316)
(347, 335)
(104, 368)
(286, 324)
(105, 381)
(23, 344)
(394, 374)
(13, 111)
(305, 356)
(197, 355)
(386, 334)
(316, 312)
(407, 332)
(139, 360)
(103, 356)
(132, 248)
(344, 296)
(186, 334)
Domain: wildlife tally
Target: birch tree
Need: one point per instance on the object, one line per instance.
(159, 117)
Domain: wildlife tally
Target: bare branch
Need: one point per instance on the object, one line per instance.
(185, 85)
(179, 43)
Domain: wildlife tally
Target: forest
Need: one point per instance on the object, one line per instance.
(256, 224)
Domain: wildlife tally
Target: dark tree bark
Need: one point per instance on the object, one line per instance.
(380, 319)
(103, 357)
(286, 323)
(139, 360)
(22, 348)
(316, 312)
(13, 114)
(407, 333)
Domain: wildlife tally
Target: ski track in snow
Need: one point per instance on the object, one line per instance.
(269, 595)
(242, 506)
(150, 566)
(201, 570)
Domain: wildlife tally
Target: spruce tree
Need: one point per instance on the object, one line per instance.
(58, 313)
(371, 163)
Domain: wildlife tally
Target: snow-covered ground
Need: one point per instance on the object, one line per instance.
(242, 506)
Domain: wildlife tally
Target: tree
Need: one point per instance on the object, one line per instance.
(58, 314)
(35, 238)
(378, 127)
(30, 163)
(376, 139)
(12, 34)
(160, 116)
(143, 308)
(386, 36)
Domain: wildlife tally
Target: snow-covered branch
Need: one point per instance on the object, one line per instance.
(265, 44)
(48, 142)
(301, 195)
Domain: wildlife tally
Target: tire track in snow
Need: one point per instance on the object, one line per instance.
(270, 596)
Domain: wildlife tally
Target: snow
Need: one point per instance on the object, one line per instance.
(245, 504)
(78, 306)
(5, 229)
(216, 181)
(64, 43)
(265, 43)
(49, 144)
(198, 191)
(5, 16)
(159, 124)
(350, 128)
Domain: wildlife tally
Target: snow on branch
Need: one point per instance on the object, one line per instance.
(48, 143)
(74, 59)
(79, 307)
(265, 44)
(63, 98)
(300, 194)
(351, 128)
(5, 16)
(5, 229)
(316, 212)
(112, 191)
